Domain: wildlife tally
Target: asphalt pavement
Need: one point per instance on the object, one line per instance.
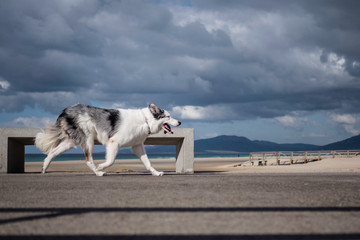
(206, 205)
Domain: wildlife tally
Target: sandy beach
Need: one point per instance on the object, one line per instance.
(330, 164)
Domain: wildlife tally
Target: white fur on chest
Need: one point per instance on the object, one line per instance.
(132, 130)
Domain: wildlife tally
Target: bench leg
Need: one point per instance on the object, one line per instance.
(185, 156)
(16, 156)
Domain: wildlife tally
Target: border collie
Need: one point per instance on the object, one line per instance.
(114, 128)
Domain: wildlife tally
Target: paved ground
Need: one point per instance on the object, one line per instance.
(200, 206)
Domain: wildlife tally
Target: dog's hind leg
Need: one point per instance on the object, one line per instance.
(88, 149)
(139, 150)
(64, 146)
(112, 149)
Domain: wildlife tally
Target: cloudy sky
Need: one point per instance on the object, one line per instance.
(284, 71)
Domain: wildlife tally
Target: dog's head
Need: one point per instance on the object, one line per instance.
(162, 119)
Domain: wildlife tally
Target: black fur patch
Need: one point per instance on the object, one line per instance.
(105, 120)
(160, 114)
(71, 127)
(113, 118)
(71, 122)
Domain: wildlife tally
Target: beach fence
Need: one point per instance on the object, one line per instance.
(287, 157)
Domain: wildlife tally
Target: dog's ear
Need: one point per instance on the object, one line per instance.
(154, 109)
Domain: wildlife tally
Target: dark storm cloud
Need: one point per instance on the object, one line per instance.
(255, 58)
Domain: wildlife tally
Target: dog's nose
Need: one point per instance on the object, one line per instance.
(179, 123)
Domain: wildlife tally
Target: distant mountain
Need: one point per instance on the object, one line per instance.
(235, 144)
(347, 144)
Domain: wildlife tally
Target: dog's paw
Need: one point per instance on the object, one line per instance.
(100, 173)
(157, 174)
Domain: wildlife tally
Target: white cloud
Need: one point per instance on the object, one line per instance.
(290, 121)
(207, 113)
(347, 121)
(337, 62)
(190, 112)
(343, 118)
(32, 122)
(351, 129)
(4, 85)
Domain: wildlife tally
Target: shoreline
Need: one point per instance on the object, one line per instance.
(218, 164)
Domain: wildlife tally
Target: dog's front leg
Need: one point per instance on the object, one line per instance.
(139, 150)
(112, 149)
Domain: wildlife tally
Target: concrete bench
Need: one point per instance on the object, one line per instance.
(13, 141)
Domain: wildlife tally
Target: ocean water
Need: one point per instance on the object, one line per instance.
(35, 157)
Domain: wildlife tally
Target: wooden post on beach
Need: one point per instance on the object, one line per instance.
(333, 153)
(319, 156)
(348, 153)
(250, 157)
(277, 158)
(291, 158)
(305, 157)
(263, 158)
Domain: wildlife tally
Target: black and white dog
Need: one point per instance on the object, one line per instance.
(83, 124)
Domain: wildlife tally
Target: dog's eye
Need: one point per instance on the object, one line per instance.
(160, 116)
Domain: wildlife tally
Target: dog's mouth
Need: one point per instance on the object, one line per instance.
(167, 128)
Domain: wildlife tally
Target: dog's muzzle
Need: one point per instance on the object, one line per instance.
(167, 127)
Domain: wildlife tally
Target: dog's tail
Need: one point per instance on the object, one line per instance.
(49, 139)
